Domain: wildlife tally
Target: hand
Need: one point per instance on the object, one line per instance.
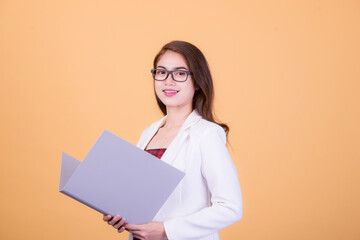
(149, 231)
(116, 221)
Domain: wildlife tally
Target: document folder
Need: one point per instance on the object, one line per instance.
(117, 177)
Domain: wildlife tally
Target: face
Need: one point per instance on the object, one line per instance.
(171, 93)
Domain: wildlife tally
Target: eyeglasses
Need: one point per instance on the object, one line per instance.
(177, 75)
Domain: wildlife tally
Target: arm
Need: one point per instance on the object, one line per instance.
(220, 173)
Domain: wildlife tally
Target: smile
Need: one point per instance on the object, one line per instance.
(170, 92)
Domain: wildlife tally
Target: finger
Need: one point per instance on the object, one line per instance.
(119, 223)
(120, 230)
(136, 235)
(132, 227)
(114, 220)
(106, 217)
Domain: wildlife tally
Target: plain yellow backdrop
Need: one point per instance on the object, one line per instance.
(287, 81)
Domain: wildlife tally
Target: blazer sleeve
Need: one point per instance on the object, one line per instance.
(226, 201)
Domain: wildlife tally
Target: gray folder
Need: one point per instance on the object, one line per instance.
(117, 177)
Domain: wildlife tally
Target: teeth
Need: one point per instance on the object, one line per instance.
(170, 91)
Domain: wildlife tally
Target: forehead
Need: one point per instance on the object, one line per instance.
(171, 60)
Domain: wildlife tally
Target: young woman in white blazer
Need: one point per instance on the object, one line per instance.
(208, 198)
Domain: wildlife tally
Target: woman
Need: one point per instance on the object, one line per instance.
(209, 196)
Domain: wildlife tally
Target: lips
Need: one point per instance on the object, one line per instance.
(170, 92)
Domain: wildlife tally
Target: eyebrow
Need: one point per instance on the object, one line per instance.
(175, 68)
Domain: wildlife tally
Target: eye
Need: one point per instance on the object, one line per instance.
(160, 72)
(180, 73)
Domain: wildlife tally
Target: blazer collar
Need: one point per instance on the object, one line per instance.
(193, 117)
(171, 152)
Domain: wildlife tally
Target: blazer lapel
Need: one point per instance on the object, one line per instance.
(174, 147)
(171, 152)
(153, 129)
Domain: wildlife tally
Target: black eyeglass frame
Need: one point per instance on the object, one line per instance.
(171, 72)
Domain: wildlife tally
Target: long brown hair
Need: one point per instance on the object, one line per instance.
(204, 95)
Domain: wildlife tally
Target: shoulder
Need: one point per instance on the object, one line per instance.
(151, 126)
(205, 129)
(150, 129)
(154, 125)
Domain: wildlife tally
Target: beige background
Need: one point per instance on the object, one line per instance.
(287, 78)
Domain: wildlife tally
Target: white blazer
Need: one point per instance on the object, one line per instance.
(209, 197)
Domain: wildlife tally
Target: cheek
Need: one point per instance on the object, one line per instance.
(191, 87)
(157, 88)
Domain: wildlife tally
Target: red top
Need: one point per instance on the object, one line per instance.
(158, 152)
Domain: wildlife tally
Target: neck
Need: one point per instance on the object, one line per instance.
(176, 117)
